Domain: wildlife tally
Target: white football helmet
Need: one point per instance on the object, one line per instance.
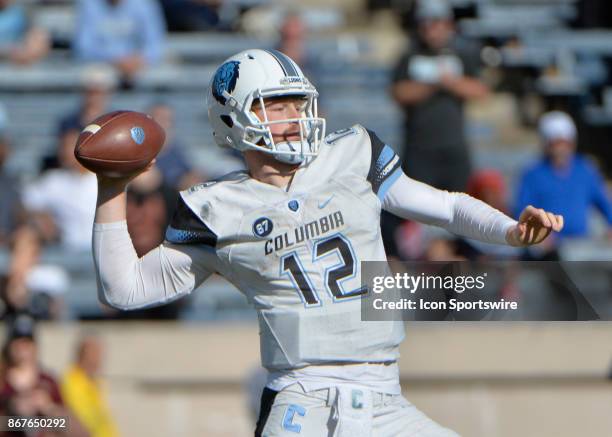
(257, 75)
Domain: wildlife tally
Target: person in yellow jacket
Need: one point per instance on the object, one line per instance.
(83, 392)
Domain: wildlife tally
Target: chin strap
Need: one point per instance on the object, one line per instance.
(288, 146)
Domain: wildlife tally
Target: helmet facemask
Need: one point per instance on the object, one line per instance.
(258, 135)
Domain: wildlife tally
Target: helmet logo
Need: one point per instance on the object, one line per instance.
(225, 80)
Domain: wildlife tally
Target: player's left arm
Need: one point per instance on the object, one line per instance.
(466, 216)
(457, 212)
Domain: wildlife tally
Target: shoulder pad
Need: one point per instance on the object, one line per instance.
(333, 137)
(236, 176)
(385, 165)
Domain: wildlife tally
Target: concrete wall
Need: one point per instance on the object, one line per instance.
(493, 380)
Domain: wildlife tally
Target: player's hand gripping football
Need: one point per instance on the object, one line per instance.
(534, 226)
(111, 202)
(120, 182)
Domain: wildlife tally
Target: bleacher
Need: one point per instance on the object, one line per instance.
(501, 20)
(36, 96)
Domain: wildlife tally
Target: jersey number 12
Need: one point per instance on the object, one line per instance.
(347, 268)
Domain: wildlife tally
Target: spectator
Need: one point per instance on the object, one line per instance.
(191, 15)
(171, 161)
(83, 391)
(26, 285)
(59, 217)
(25, 388)
(563, 181)
(441, 247)
(292, 41)
(15, 235)
(431, 82)
(20, 42)
(128, 34)
(11, 213)
(490, 187)
(147, 210)
(98, 84)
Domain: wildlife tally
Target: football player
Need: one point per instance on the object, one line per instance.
(290, 233)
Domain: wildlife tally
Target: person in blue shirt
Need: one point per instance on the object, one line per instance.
(21, 42)
(126, 33)
(563, 181)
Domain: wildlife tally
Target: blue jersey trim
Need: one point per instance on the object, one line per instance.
(382, 191)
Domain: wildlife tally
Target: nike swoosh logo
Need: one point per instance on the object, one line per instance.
(324, 204)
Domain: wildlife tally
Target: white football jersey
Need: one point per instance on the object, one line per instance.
(296, 253)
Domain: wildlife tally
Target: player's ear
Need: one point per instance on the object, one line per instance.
(256, 109)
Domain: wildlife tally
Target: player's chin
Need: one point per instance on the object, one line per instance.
(287, 169)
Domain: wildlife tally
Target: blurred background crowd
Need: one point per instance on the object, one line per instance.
(508, 100)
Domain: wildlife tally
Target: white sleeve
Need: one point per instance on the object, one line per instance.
(456, 212)
(164, 274)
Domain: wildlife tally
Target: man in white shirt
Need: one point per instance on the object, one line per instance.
(62, 200)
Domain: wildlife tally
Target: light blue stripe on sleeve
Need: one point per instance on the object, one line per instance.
(384, 158)
(384, 187)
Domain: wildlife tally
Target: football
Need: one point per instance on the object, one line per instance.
(119, 143)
